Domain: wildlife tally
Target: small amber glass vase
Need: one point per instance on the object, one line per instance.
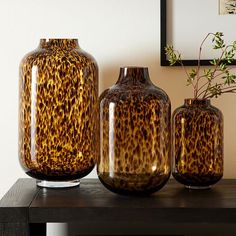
(135, 134)
(58, 113)
(197, 135)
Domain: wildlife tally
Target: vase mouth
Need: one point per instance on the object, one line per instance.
(134, 75)
(134, 67)
(59, 42)
(196, 101)
(131, 70)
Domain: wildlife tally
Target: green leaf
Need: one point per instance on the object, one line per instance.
(234, 45)
(193, 73)
(229, 79)
(218, 41)
(214, 62)
(173, 57)
(223, 67)
(215, 90)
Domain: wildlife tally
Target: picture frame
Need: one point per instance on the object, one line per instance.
(164, 40)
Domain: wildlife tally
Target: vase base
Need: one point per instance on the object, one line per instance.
(58, 184)
(197, 187)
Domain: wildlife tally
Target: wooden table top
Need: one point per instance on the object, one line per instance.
(92, 202)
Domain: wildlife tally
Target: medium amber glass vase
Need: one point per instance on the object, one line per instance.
(197, 144)
(135, 134)
(58, 113)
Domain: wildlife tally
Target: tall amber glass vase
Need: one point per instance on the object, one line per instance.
(58, 113)
(135, 134)
(197, 129)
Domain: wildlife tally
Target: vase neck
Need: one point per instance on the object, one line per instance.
(134, 76)
(197, 102)
(59, 43)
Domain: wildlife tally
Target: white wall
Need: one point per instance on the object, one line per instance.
(115, 32)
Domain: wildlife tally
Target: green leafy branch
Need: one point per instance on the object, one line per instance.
(204, 83)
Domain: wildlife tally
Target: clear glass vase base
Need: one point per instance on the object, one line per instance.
(58, 184)
(197, 187)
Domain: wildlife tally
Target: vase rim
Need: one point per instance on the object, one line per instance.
(61, 42)
(133, 67)
(197, 101)
(50, 39)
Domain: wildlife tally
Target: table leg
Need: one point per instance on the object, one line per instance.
(9, 229)
(38, 229)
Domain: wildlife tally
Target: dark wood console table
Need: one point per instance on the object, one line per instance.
(26, 208)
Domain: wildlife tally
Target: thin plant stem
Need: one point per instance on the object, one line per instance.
(203, 82)
(208, 83)
(199, 65)
(231, 89)
(185, 70)
(216, 66)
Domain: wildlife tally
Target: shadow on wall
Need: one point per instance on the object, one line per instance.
(108, 77)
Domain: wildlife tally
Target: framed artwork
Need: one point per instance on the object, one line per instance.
(185, 23)
(227, 7)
